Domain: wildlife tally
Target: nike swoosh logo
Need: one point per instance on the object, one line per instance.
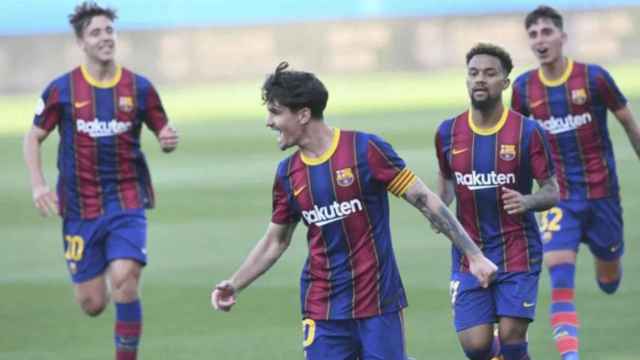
(80, 104)
(537, 103)
(297, 192)
(528, 304)
(459, 151)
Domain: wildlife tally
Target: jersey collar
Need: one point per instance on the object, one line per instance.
(559, 81)
(101, 84)
(488, 131)
(326, 155)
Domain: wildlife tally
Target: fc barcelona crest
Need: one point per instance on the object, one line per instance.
(344, 177)
(579, 96)
(125, 103)
(507, 152)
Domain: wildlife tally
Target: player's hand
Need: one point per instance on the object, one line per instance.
(482, 268)
(223, 296)
(168, 138)
(45, 201)
(514, 202)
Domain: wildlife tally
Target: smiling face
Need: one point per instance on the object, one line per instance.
(289, 124)
(98, 40)
(485, 81)
(546, 41)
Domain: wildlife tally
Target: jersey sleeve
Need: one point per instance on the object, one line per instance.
(518, 96)
(608, 89)
(49, 109)
(441, 150)
(540, 154)
(155, 117)
(387, 167)
(282, 212)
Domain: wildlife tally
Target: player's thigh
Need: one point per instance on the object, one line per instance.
(84, 248)
(604, 232)
(330, 339)
(561, 227)
(512, 330)
(382, 337)
(516, 294)
(127, 237)
(472, 304)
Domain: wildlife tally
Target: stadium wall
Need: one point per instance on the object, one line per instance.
(188, 56)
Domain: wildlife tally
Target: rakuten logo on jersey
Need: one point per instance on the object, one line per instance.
(478, 181)
(97, 128)
(557, 125)
(327, 214)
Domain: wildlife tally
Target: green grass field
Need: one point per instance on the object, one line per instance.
(214, 203)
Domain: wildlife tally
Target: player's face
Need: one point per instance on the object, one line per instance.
(289, 124)
(546, 41)
(485, 81)
(98, 40)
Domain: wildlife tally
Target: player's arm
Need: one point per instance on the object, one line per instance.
(168, 138)
(264, 254)
(446, 189)
(44, 199)
(442, 219)
(545, 198)
(625, 117)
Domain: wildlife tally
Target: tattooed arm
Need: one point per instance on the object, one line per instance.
(545, 198)
(446, 191)
(442, 219)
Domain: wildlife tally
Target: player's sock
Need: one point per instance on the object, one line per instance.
(128, 329)
(564, 319)
(611, 287)
(484, 354)
(515, 351)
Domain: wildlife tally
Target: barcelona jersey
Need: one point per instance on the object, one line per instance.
(101, 166)
(573, 112)
(482, 161)
(341, 197)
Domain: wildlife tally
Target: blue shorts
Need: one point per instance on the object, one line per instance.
(511, 294)
(598, 223)
(375, 338)
(90, 245)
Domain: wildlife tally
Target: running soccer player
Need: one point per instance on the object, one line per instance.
(570, 100)
(104, 184)
(488, 158)
(336, 183)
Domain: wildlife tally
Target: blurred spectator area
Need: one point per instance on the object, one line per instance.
(190, 42)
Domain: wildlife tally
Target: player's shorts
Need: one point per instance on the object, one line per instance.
(598, 223)
(90, 245)
(374, 338)
(511, 294)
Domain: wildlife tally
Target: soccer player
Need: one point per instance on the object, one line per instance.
(488, 158)
(104, 184)
(570, 100)
(336, 183)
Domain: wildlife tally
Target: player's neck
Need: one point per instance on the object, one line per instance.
(556, 69)
(101, 71)
(317, 140)
(487, 118)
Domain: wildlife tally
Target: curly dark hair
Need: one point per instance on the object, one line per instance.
(543, 12)
(495, 51)
(295, 90)
(84, 12)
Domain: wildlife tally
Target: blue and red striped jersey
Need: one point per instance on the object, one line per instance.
(482, 161)
(573, 112)
(341, 197)
(101, 166)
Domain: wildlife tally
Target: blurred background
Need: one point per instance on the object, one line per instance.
(395, 68)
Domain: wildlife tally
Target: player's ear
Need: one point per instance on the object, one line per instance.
(304, 115)
(506, 83)
(564, 38)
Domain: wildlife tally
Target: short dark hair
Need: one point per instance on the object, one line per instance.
(543, 12)
(495, 51)
(295, 90)
(83, 13)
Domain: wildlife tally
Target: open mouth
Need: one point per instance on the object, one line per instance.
(542, 51)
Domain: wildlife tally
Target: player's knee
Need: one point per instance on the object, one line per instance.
(478, 354)
(92, 306)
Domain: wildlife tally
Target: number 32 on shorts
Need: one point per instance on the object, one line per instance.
(308, 331)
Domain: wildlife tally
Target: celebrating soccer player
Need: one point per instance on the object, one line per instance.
(488, 158)
(570, 100)
(336, 183)
(104, 183)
